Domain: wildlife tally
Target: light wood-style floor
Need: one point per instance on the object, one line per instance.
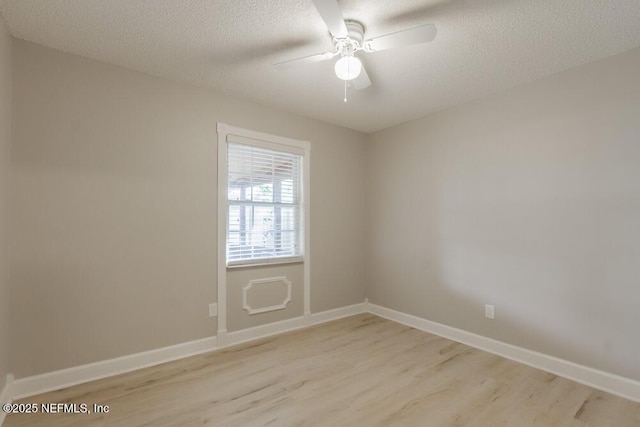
(358, 371)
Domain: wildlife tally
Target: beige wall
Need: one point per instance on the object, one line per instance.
(529, 200)
(113, 209)
(5, 139)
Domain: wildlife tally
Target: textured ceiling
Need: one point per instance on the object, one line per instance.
(483, 46)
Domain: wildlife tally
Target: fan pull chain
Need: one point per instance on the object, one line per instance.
(345, 91)
(345, 82)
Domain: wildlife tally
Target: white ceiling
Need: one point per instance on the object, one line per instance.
(483, 46)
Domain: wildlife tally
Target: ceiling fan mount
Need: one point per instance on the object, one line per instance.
(355, 34)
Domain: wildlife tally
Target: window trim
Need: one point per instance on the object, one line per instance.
(225, 131)
(260, 262)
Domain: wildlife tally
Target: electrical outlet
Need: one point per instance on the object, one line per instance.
(489, 311)
(213, 309)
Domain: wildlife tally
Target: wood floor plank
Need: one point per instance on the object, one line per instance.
(357, 371)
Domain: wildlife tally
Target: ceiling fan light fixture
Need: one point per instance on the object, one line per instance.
(348, 67)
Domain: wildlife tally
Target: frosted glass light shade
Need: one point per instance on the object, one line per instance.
(348, 67)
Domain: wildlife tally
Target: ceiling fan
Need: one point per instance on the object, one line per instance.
(348, 39)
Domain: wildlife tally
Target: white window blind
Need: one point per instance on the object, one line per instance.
(264, 203)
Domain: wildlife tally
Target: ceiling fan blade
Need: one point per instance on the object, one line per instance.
(319, 57)
(362, 81)
(421, 34)
(330, 13)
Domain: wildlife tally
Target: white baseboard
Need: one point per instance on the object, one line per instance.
(24, 387)
(30, 386)
(338, 313)
(5, 396)
(605, 381)
(263, 331)
(276, 328)
(49, 381)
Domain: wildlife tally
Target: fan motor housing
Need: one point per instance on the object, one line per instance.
(347, 46)
(355, 31)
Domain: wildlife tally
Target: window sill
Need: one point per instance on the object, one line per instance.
(264, 262)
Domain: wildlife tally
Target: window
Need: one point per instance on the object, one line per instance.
(264, 202)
